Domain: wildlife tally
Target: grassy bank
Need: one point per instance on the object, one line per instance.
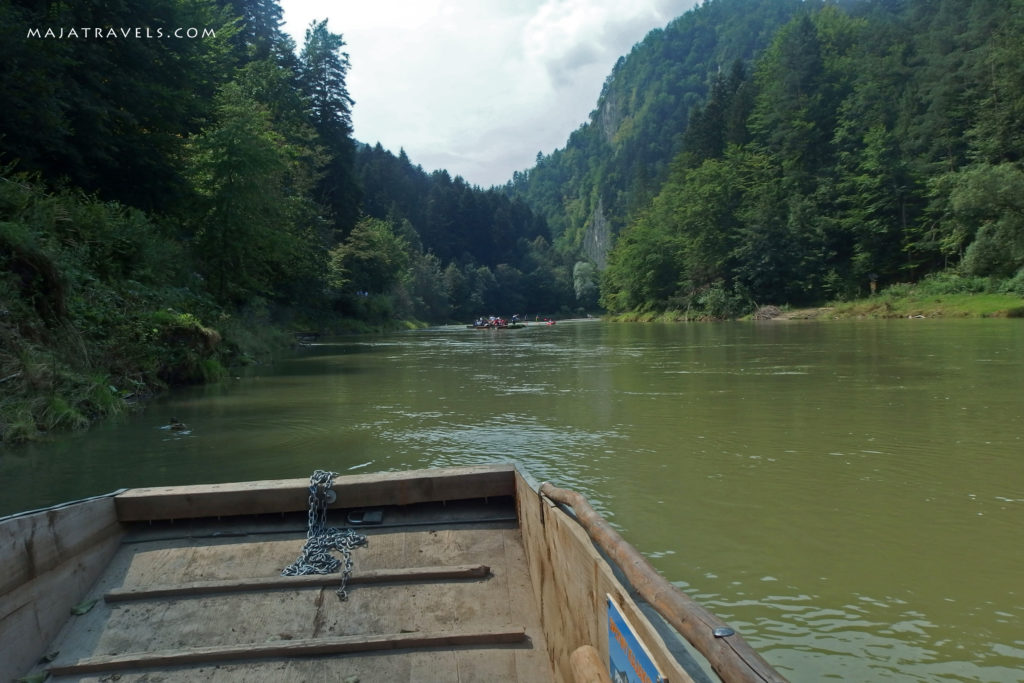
(943, 295)
(951, 306)
(100, 309)
(61, 377)
(66, 381)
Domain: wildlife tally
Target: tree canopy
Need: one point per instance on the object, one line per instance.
(751, 151)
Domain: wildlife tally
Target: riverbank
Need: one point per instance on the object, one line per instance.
(881, 307)
(64, 375)
(66, 380)
(943, 295)
(102, 307)
(948, 306)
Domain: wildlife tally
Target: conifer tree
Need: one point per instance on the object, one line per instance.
(324, 67)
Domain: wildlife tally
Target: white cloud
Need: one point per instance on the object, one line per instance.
(479, 87)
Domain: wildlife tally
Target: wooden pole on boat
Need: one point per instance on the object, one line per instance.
(587, 666)
(731, 657)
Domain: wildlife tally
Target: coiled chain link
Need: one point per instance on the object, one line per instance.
(316, 557)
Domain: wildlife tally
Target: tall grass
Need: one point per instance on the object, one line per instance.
(945, 294)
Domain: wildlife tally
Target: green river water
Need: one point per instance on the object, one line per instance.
(848, 495)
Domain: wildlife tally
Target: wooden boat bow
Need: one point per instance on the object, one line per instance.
(474, 572)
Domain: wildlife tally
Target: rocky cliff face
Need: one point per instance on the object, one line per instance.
(597, 240)
(609, 114)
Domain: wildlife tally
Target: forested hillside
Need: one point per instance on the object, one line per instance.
(471, 250)
(179, 187)
(876, 141)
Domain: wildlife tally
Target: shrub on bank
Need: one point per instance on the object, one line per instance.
(90, 294)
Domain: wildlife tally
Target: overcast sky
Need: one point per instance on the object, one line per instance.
(478, 87)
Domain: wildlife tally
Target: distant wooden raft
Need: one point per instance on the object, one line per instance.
(197, 588)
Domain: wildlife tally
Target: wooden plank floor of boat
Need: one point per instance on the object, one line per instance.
(437, 630)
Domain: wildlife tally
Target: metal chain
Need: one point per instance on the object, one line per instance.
(316, 557)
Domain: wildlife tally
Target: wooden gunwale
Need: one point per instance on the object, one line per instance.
(292, 495)
(731, 657)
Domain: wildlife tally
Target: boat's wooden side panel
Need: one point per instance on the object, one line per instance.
(49, 559)
(33, 544)
(570, 579)
(289, 495)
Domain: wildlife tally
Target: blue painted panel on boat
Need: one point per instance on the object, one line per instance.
(628, 659)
